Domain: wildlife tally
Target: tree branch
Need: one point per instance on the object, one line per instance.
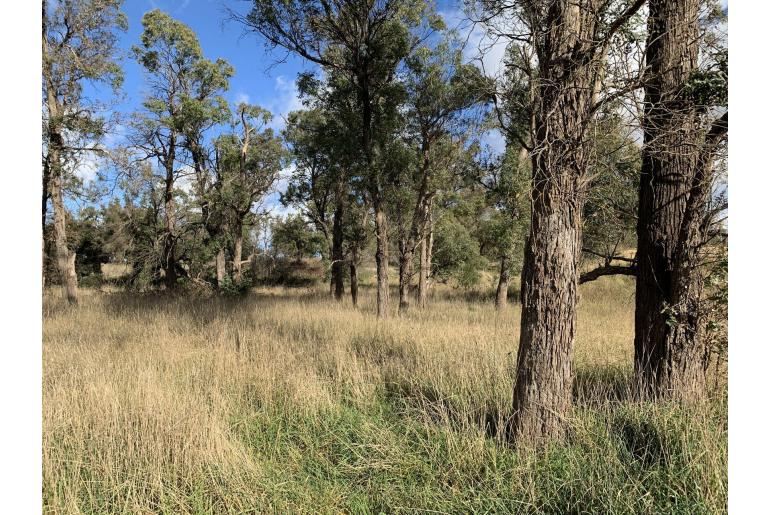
(606, 270)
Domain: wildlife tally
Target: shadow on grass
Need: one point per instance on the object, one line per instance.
(198, 311)
(595, 388)
(602, 385)
(436, 408)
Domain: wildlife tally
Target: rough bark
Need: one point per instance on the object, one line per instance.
(238, 252)
(568, 60)
(669, 356)
(64, 258)
(405, 272)
(169, 236)
(501, 296)
(426, 253)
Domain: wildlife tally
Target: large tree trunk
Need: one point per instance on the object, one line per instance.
(238, 252)
(354, 276)
(669, 356)
(64, 258)
(543, 393)
(381, 258)
(501, 297)
(53, 178)
(568, 68)
(338, 265)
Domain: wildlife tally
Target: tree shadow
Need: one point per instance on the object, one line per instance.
(602, 385)
(436, 408)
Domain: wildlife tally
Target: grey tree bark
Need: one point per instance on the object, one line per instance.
(426, 254)
(501, 296)
(238, 252)
(354, 276)
(571, 45)
(381, 258)
(338, 265)
(670, 357)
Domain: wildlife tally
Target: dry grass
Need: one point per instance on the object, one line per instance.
(285, 401)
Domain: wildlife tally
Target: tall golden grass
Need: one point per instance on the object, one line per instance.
(285, 401)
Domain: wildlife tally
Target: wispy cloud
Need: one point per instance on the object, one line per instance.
(286, 100)
(242, 98)
(479, 47)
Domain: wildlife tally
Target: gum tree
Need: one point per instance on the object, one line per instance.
(566, 45)
(183, 98)
(685, 126)
(79, 47)
(364, 42)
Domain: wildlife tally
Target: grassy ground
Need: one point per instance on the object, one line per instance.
(285, 402)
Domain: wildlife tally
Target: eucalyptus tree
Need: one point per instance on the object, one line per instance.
(441, 91)
(365, 42)
(565, 46)
(685, 126)
(324, 162)
(79, 46)
(502, 231)
(205, 110)
(248, 161)
(183, 99)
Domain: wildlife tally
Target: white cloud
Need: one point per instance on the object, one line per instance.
(242, 98)
(272, 203)
(87, 169)
(285, 101)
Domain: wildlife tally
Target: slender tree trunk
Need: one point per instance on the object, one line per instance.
(405, 271)
(669, 356)
(422, 282)
(354, 276)
(338, 265)
(381, 258)
(64, 258)
(169, 243)
(53, 178)
(221, 271)
(426, 255)
(238, 252)
(46, 195)
(501, 297)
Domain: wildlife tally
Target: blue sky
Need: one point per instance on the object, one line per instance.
(259, 76)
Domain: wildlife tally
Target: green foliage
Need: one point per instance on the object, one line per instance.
(707, 87)
(456, 253)
(294, 238)
(230, 288)
(612, 200)
(715, 305)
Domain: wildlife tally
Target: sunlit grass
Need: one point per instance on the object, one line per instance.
(285, 401)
